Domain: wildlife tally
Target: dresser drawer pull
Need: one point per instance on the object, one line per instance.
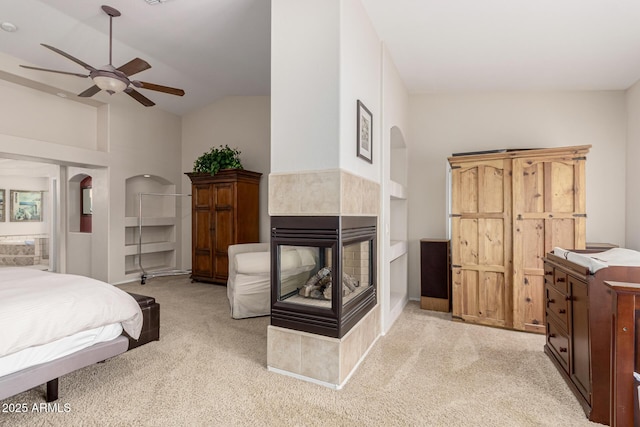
(563, 349)
(551, 301)
(560, 279)
(568, 298)
(562, 311)
(552, 335)
(548, 273)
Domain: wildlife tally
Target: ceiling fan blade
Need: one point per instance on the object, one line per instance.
(159, 88)
(66, 55)
(139, 97)
(134, 66)
(54, 71)
(90, 92)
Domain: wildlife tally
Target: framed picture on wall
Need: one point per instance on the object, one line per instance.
(365, 133)
(1, 205)
(26, 206)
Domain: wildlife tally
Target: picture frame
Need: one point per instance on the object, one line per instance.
(26, 206)
(2, 214)
(364, 132)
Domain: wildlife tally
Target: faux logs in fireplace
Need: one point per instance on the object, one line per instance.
(323, 272)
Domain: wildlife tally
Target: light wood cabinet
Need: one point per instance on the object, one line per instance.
(225, 211)
(508, 209)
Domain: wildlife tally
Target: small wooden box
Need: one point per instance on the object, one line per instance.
(150, 321)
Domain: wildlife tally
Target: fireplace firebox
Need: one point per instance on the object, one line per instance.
(323, 272)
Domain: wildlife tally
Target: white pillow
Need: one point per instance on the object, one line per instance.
(253, 262)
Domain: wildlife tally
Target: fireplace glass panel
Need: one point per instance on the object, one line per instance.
(356, 269)
(304, 275)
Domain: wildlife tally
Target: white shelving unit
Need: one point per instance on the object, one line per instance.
(397, 290)
(158, 248)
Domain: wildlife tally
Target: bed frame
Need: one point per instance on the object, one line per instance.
(49, 372)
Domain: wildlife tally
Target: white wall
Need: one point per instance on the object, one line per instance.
(633, 167)
(442, 124)
(241, 122)
(305, 85)
(360, 79)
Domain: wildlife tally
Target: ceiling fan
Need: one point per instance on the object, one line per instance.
(111, 79)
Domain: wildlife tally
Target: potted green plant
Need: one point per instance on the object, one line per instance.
(218, 158)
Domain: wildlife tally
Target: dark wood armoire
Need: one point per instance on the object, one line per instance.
(225, 211)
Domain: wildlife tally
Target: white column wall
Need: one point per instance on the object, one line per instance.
(305, 85)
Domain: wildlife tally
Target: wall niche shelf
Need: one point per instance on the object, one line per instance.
(396, 238)
(397, 191)
(158, 248)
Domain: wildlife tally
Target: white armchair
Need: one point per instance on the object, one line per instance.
(249, 281)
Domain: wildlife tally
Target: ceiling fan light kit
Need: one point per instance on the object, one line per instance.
(110, 79)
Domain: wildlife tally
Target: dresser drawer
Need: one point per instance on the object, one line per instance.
(558, 342)
(560, 280)
(557, 305)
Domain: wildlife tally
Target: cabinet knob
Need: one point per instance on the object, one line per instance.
(568, 298)
(563, 349)
(552, 335)
(550, 301)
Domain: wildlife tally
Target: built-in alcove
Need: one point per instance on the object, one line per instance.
(398, 225)
(150, 224)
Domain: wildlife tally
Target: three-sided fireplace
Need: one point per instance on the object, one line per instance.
(323, 272)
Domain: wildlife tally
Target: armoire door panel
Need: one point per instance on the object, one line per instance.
(202, 227)
(491, 191)
(491, 241)
(548, 203)
(562, 187)
(533, 187)
(534, 301)
(201, 196)
(467, 238)
(467, 181)
(480, 241)
(492, 301)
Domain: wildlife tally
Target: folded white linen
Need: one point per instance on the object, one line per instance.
(38, 307)
(598, 260)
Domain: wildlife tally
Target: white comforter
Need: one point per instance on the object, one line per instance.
(38, 307)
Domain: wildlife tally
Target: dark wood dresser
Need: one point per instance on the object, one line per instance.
(578, 328)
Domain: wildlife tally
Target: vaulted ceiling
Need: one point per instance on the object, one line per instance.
(215, 48)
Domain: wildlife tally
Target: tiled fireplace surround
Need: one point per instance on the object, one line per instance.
(320, 359)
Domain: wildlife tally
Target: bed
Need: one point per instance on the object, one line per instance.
(52, 324)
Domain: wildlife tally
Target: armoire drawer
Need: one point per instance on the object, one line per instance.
(558, 343)
(557, 305)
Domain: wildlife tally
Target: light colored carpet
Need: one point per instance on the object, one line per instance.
(208, 370)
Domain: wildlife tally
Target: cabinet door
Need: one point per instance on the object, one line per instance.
(224, 228)
(548, 211)
(580, 352)
(481, 236)
(202, 229)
